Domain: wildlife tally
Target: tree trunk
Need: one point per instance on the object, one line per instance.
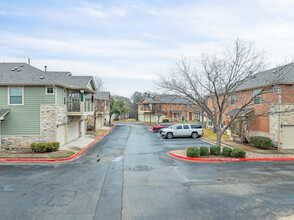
(95, 116)
(218, 138)
(110, 115)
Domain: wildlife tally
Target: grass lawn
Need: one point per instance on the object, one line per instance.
(96, 133)
(211, 136)
(127, 120)
(66, 155)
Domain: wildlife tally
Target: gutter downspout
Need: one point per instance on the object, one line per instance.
(279, 119)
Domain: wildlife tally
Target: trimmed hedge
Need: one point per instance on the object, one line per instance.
(45, 147)
(215, 150)
(165, 120)
(193, 152)
(227, 151)
(204, 151)
(261, 142)
(238, 153)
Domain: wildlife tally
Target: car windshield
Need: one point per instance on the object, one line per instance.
(172, 126)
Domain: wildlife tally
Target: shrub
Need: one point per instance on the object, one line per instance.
(238, 153)
(215, 150)
(226, 151)
(261, 142)
(165, 120)
(204, 151)
(55, 146)
(45, 147)
(193, 152)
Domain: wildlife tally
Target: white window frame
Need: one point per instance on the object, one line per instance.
(197, 115)
(259, 90)
(49, 93)
(277, 89)
(8, 94)
(233, 95)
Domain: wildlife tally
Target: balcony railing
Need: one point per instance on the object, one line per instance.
(74, 106)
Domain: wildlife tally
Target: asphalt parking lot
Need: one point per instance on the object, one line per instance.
(135, 179)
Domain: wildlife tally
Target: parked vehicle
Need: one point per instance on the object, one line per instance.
(161, 126)
(182, 130)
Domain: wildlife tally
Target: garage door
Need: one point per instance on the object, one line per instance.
(73, 130)
(61, 134)
(288, 137)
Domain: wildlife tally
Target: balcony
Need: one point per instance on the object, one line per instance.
(79, 108)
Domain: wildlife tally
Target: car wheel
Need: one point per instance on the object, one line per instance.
(194, 135)
(169, 135)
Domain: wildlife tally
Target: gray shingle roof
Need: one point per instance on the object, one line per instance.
(3, 112)
(24, 74)
(267, 77)
(102, 95)
(235, 111)
(169, 99)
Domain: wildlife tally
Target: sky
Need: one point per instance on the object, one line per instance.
(128, 43)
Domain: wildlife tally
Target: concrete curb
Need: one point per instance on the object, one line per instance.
(229, 159)
(58, 160)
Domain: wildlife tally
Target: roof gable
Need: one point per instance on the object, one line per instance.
(24, 74)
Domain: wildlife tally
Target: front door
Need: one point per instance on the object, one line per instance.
(183, 117)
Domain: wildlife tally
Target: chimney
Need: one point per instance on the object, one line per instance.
(29, 61)
(45, 68)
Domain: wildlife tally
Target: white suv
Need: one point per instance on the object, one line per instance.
(185, 130)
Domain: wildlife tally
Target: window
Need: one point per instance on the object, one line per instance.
(49, 90)
(196, 116)
(257, 96)
(190, 105)
(195, 126)
(156, 105)
(276, 89)
(209, 122)
(232, 99)
(183, 106)
(16, 95)
(179, 127)
(170, 106)
(186, 126)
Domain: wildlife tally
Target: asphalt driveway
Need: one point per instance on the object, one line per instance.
(136, 180)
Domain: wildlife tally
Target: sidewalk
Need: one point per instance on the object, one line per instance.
(69, 150)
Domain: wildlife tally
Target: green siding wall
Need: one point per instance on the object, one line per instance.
(59, 95)
(24, 119)
(90, 86)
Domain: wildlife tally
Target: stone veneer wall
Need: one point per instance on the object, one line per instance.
(50, 118)
(286, 118)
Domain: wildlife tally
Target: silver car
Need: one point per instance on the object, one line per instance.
(182, 130)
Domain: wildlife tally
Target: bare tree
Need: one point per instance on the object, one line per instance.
(158, 111)
(99, 83)
(211, 80)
